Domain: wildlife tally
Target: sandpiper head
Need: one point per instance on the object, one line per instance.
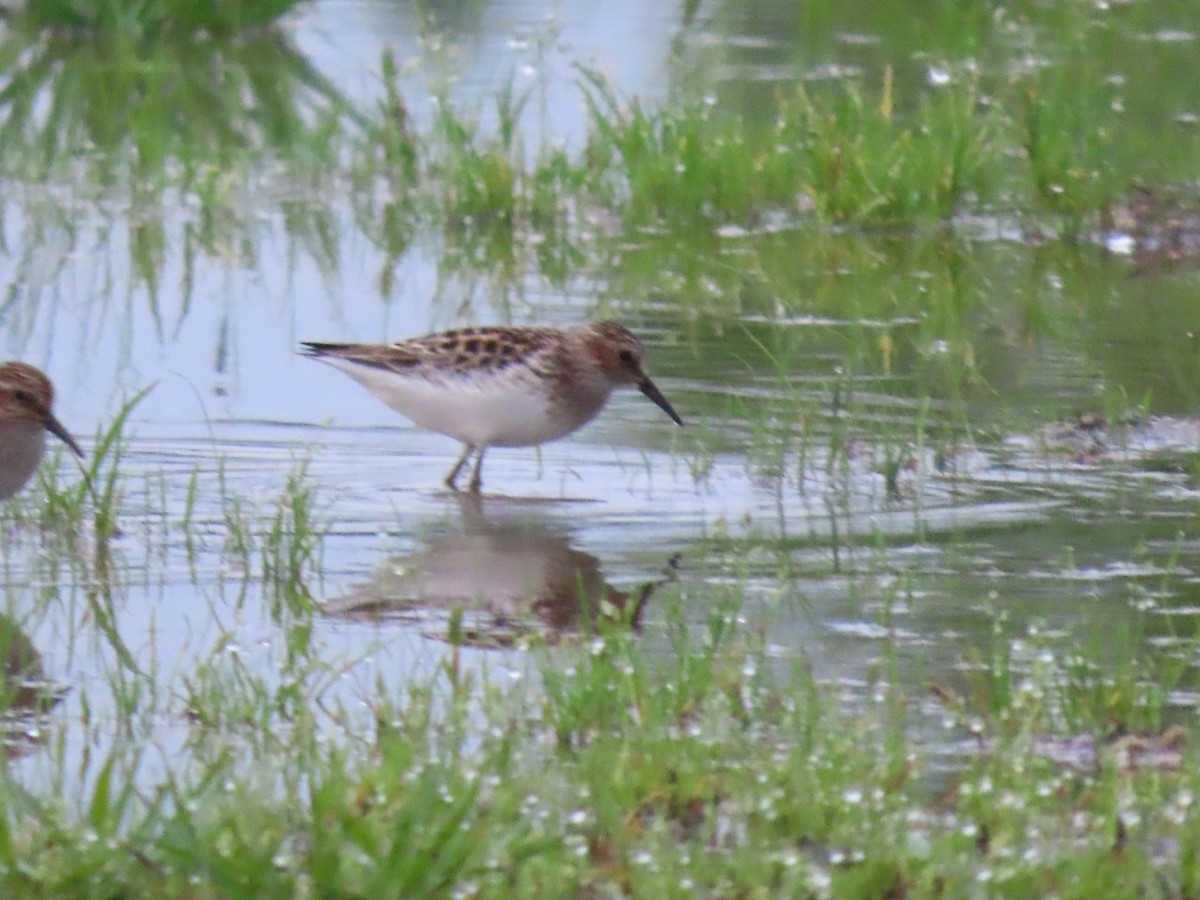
(619, 356)
(26, 395)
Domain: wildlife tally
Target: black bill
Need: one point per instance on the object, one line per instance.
(55, 428)
(646, 386)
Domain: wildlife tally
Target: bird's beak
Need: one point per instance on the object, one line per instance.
(55, 428)
(646, 386)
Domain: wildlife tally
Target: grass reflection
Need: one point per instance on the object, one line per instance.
(139, 19)
(109, 110)
(150, 126)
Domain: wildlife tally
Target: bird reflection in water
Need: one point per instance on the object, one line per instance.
(25, 693)
(512, 576)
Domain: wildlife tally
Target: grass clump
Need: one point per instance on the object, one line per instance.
(170, 124)
(838, 155)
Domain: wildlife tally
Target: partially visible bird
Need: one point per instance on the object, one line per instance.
(26, 397)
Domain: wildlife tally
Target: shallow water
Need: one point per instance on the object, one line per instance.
(868, 457)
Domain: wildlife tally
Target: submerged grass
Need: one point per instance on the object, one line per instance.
(703, 766)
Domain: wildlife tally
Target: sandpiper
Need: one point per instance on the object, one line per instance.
(499, 386)
(26, 396)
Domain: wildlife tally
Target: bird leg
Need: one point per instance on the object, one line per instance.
(462, 461)
(476, 476)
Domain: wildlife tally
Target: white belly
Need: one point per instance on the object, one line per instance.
(509, 408)
(21, 445)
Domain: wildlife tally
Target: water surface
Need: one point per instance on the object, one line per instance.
(884, 449)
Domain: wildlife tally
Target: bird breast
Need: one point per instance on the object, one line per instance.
(21, 445)
(510, 407)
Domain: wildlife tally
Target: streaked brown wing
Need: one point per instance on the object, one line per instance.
(463, 349)
(392, 357)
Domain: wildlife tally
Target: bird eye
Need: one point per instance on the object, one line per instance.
(25, 398)
(626, 356)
